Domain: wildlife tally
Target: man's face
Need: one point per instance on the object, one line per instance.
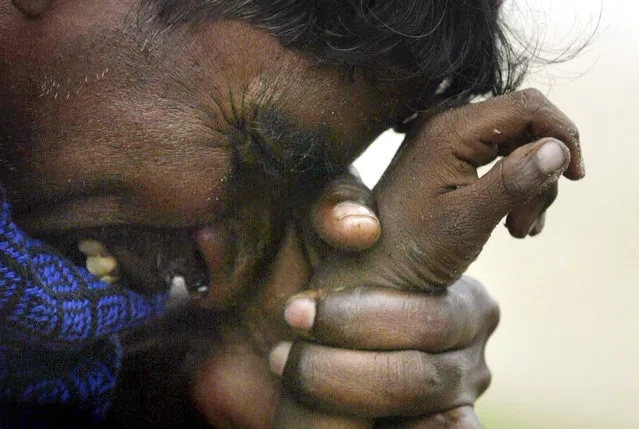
(158, 141)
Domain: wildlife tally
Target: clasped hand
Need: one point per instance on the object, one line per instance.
(375, 352)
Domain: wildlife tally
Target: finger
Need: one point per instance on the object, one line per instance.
(373, 384)
(343, 216)
(498, 125)
(32, 8)
(385, 319)
(467, 216)
(539, 226)
(291, 414)
(530, 170)
(458, 418)
(522, 220)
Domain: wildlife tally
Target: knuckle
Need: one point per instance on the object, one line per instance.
(568, 131)
(443, 383)
(475, 286)
(439, 128)
(573, 131)
(442, 329)
(479, 298)
(532, 100)
(413, 383)
(533, 104)
(494, 315)
(453, 376)
(536, 106)
(484, 379)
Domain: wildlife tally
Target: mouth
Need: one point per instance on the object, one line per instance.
(145, 259)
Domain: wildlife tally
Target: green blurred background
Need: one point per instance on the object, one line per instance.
(566, 352)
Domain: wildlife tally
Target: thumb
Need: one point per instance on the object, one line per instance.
(512, 182)
(468, 215)
(344, 216)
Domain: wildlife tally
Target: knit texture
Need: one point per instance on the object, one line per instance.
(58, 326)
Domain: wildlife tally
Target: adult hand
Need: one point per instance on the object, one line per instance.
(436, 216)
(234, 386)
(380, 352)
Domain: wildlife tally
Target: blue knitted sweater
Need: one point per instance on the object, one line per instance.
(58, 330)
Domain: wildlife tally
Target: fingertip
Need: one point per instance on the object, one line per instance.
(516, 226)
(279, 356)
(577, 168)
(538, 227)
(352, 227)
(552, 156)
(300, 313)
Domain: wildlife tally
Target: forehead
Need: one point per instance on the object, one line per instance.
(90, 66)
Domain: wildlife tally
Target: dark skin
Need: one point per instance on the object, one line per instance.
(161, 122)
(434, 226)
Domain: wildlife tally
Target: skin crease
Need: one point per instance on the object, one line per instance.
(160, 114)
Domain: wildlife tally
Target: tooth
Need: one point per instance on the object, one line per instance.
(101, 266)
(91, 247)
(178, 287)
(178, 282)
(109, 279)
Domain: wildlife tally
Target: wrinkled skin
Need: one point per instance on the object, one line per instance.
(101, 129)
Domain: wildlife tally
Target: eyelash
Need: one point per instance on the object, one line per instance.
(253, 153)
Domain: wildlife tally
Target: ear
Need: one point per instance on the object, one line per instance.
(32, 8)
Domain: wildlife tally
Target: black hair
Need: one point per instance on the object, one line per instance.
(459, 47)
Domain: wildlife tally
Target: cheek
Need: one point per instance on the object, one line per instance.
(187, 187)
(160, 169)
(234, 388)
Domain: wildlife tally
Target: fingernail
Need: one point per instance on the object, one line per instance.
(279, 356)
(552, 156)
(300, 314)
(352, 209)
